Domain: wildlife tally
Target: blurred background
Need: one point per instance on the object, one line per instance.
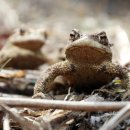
(62, 16)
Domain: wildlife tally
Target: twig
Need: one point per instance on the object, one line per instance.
(119, 117)
(68, 94)
(4, 64)
(26, 124)
(6, 122)
(66, 105)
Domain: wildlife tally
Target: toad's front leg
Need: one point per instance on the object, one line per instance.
(47, 77)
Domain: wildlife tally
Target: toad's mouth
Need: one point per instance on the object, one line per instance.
(87, 50)
(33, 45)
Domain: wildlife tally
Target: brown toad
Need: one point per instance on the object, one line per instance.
(87, 66)
(30, 39)
(23, 48)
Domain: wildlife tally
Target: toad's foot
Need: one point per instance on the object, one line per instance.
(41, 95)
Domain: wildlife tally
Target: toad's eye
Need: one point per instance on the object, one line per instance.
(74, 35)
(103, 38)
(22, 31)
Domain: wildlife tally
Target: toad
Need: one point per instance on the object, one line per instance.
(88, 65)
(24, 49)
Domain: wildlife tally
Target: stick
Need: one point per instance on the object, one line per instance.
(66, 105)
(6, 121)
(26, 124)
(119, 117)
